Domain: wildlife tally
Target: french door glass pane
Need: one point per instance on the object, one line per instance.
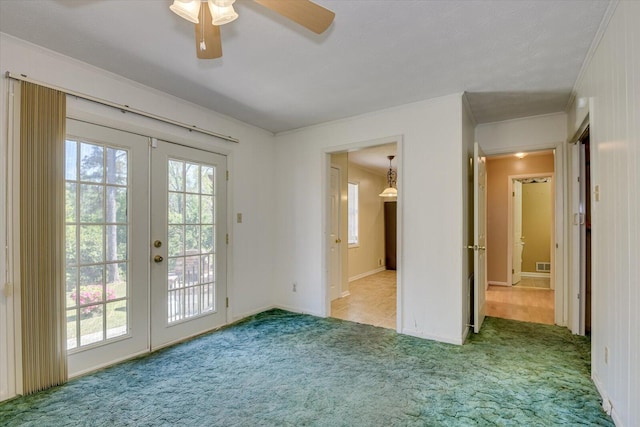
(97, 242)
(191, 246)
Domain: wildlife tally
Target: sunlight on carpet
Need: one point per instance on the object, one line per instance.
(281, 368)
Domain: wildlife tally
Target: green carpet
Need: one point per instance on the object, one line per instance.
(285, 369)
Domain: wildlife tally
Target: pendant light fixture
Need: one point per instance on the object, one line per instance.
(391, 180)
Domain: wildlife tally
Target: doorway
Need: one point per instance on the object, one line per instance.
(120, 283)
(521, 236)
(362, 247)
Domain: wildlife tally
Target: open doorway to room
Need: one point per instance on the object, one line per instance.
(520, 236)
(362, 280)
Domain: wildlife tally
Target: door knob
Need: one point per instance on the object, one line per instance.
(158, 258)
(157, 244)
(338, 240)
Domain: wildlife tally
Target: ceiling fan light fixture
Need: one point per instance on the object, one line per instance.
(222, 14)
(188, 10)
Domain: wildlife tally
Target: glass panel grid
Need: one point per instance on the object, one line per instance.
(97, 237)
(191, 231)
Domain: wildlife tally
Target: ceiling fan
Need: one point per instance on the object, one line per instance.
(219, 12)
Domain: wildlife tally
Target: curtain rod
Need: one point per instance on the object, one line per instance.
(121, 107)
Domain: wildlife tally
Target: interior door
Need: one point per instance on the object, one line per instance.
(479, 236)
(188, 242)
(575, 238)
(518, 238)
(335, 275)
(106, 251)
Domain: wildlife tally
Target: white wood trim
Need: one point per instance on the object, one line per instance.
(345, 294)
(367, 273)
(536, 274)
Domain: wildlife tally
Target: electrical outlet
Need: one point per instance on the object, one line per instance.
(606, 355)
(239, 217)
(295, 287)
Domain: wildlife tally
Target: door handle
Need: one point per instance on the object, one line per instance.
(476, 247)
(158, 258)
(338, 240)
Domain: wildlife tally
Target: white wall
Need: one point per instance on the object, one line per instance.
(251, 163)
(430, 211)
(526, 134)
(611, 81)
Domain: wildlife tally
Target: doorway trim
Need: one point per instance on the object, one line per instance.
(325, 226)
(554, 218)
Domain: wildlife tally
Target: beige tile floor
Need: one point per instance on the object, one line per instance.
(531, 301)
(372, 300)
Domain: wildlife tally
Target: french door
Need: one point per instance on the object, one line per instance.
(106, 245)
(145, 260)
(188, 253)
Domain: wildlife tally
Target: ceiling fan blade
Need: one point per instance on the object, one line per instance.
(208, 42)
(304, 12)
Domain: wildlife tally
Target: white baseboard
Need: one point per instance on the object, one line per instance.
(535, 274)
(606, 402)
(250, 313)
(421, 334)
(492, 282)
(368, 273)
(345, 294)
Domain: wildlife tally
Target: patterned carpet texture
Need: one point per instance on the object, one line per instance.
(283, 369)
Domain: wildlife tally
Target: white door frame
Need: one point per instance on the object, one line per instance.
(554, 218)
(324, 191)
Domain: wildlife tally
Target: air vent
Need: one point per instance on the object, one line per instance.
(544, 267)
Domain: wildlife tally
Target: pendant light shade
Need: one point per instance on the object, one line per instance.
(188, 10)
(222, 11)
(390, 191)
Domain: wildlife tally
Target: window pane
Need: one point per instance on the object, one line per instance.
(116, 166)
(176, 208)
(192, 209)
(91, 324)
(91, 163)
(353, 213)
(116, 242)
(91, 203)
(71, 160)
(192, 174)
(207, 180)
(116, 319)
(70, 244)
(176, 175)
(116, 204)
(71, 285)
(91, 244)
(116, 281)
(70, 202)
(72, 341)
(176, 240)
(207, 209)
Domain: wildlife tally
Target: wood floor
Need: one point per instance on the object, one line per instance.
(372, 301)
(531, 301)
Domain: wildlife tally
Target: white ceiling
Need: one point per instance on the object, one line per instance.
(515, 58)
